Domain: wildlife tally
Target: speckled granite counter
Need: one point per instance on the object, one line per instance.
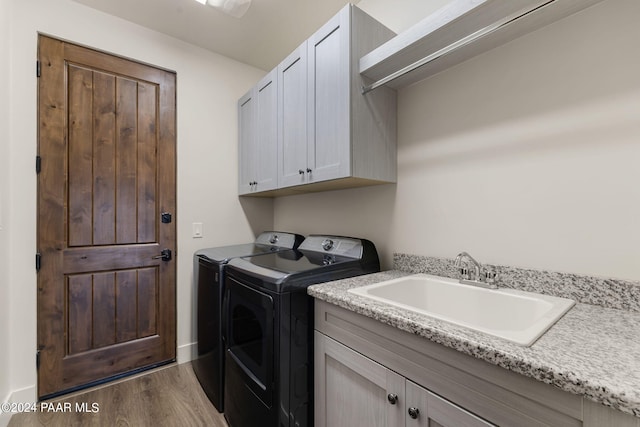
(592, 351)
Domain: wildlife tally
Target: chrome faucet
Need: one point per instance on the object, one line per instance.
(485, 279)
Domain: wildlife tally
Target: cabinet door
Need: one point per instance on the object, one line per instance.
(265, 146)
(351, 390)
(329, 133)
(292, 118)
(425, 409)
(246, 166)
(258, 137)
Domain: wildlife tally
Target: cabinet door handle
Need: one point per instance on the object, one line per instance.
(414, 412)
(300, 171)
(308, 170)
(392, 398)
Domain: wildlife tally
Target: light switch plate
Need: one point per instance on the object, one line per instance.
(197, 230)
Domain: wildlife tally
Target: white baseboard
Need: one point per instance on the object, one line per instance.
(187, 352)
(26, 394)
(4, 419)
(23, 395)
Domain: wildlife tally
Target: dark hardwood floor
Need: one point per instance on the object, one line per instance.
(168, 396)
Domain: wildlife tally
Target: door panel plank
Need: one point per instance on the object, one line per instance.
(147, 163)
(51, 209)
(80, 156)
(95, 59)
(103, 258)
(104, 309)
(167, 203)
(82, 368)
(148, 286)
(103, 156)
(126, 305)
(80, 304)
(126, 160)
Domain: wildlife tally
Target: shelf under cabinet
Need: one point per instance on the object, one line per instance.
(454, 22)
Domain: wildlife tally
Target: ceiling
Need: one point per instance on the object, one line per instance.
(269, 31)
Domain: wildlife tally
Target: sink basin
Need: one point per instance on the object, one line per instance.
(518, 316)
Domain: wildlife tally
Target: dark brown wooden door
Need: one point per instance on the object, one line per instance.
(106, 304)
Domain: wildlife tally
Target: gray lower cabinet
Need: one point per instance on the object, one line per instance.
(258, 137)
(353, 390)
(368, 373)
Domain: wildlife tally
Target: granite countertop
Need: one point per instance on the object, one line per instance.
(591, 351)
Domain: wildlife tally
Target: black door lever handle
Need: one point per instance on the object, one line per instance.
(165, 255)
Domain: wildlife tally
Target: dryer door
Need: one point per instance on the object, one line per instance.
(250, 336)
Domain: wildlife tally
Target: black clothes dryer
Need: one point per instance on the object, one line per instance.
(269, 342)
(209, 267)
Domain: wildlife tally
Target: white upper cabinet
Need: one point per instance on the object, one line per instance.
(246, 159)
(258, 137)
(328, 112)
(330, 135)
(292, 118)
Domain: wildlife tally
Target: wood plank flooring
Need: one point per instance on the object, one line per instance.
(168, 397)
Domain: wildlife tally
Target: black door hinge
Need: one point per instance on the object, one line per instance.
(38, 261)
(38, 164)
(38, 359)
(38, 70)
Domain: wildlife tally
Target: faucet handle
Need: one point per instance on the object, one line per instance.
(464, 272)
(490, 276)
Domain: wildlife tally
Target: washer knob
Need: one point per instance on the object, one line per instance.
(327, 244)
(273, 239)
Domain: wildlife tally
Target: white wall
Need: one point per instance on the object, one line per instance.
(5, 25)
(526, 156)
(208, 88)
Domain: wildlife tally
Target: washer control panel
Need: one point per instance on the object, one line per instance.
(279, 239)
(335, 245)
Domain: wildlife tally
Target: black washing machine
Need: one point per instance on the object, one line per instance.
(269, 342)
(209, 267)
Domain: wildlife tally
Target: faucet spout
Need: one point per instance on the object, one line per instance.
(476, 265)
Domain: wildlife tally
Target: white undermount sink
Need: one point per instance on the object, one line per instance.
(518, 316)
